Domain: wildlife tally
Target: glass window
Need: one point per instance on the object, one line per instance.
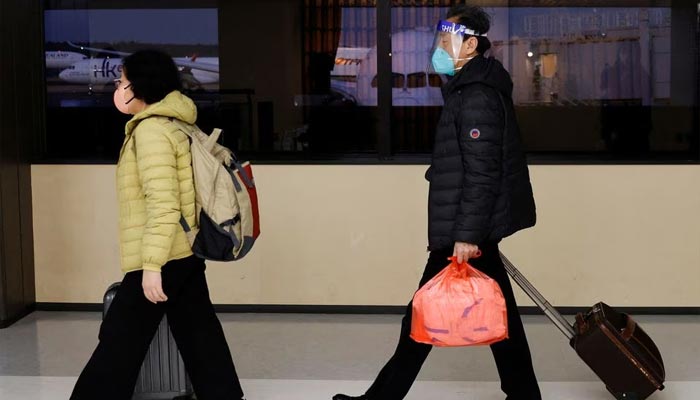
(299, 80)
(340, 61)
(593, 80)
(84, 48)
(279, 77)
(416, 106)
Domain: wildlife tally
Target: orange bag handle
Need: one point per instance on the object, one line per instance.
(453, 258)
(463, 267)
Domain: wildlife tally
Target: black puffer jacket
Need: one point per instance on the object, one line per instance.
(479, 181)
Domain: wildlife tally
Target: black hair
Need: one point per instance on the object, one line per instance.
(476, 19)
(152, 73)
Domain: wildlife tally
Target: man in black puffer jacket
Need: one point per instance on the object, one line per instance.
(479, 182)
(480, 193)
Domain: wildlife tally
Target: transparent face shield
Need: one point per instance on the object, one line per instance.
(447, 46)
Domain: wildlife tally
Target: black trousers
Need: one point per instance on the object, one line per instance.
(512, 356)
(131, 323)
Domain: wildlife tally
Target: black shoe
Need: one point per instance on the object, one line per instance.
(346, 397)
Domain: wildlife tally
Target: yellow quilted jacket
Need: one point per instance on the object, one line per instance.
(155, 186)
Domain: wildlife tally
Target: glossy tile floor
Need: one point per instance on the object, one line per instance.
(314, 356)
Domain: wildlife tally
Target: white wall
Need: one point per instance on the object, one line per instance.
(356, 235)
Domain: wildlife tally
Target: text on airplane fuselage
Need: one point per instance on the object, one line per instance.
(108, 69)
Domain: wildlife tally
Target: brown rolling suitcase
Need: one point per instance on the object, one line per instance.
(611, 343)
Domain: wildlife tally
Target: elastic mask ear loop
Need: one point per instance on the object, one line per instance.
(130, 100)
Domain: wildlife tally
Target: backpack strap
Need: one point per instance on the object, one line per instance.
(183, 223)
(210, 142)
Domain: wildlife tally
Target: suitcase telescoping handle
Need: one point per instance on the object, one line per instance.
(549, 310)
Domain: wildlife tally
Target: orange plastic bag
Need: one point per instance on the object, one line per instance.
(461, 306)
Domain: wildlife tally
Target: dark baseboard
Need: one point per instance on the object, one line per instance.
(308, 309)
(533, 310)
(371, 310)
(8, 322)
(69, 307)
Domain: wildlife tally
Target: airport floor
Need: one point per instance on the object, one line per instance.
(312, 357)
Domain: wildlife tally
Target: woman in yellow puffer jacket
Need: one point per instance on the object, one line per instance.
(163, 277)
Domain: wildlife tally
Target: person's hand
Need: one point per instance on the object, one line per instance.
(465, 251)
(153, 287)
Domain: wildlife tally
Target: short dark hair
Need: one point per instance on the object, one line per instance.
(152, 73)
(474, 18)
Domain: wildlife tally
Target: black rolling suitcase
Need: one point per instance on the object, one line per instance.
(617, 349)
(163, 373)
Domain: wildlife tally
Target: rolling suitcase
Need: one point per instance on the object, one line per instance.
(163, 373)
(611, 343)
